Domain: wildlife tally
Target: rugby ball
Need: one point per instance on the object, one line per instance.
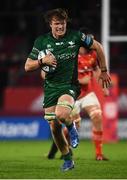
(46, 68)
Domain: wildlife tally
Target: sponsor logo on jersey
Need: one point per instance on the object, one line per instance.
(71, 44)
(59, 43)
(66, 56)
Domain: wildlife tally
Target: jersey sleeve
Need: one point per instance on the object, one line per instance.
(86, 40)
(35, 50)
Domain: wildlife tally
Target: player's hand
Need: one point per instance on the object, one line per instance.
(49, 59)
(104, 80)
(106, 92)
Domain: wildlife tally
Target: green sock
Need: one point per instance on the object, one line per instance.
(69, 127)
(67, 156)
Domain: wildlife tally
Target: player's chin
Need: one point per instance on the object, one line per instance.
(60, 33)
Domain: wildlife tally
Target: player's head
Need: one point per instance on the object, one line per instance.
(57, 19)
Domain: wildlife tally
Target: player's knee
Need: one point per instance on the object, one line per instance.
(96, 113)
(62, 114)
(66, 104)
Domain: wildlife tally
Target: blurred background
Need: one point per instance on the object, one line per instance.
(21, 93)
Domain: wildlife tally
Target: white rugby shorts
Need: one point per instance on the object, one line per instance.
(88, 100)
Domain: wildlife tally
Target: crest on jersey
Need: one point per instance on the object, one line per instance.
(71, 44)
(49, 47)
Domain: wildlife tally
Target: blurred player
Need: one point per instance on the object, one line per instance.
(88, 73)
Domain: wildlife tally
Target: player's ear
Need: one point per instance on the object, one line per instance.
(50, 25)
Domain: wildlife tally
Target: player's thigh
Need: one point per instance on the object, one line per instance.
(91, 105)
(94, 112)
(50, 109)
(89, 100)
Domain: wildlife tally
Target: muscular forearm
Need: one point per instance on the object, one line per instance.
(100, 54)
(104, 77)
(31, 65)
(97, 72)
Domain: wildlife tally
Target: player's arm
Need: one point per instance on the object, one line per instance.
(96, 74)
(32, 65)
(100, 55)
(104, 76)
(89, 42)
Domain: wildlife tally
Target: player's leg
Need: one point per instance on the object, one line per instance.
(59, 138)
(76, 118)
(66, 134)
(53, 150)
(62, 144)
(92, 106)
(63, 111)
(56, 129)
(75, 114)
(50, 116)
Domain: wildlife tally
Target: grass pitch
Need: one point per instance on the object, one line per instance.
(27, 160)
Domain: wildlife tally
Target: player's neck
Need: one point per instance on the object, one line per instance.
(57, 36)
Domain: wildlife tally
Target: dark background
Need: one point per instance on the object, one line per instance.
(21, 21)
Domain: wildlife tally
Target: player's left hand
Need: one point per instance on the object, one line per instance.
(104, 80)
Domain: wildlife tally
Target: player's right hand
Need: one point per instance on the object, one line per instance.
(50, 59)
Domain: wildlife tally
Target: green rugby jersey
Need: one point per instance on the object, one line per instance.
(65, 51)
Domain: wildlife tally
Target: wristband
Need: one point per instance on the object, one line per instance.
(104, 69)
(40, 62)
